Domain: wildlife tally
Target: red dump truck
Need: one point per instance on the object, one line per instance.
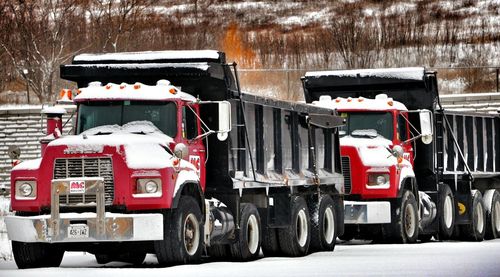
(169, 157)
(415, 170)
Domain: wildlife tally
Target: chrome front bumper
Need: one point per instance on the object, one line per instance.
(117, 227)
(376, 212)
(83, 227)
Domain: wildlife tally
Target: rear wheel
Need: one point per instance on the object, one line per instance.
(294, 240)
(476, 230)
(446, 212)
(33, 255)
(270, 244)
(247, 246)
(492, 214)
(183, 234)
(218, 251)
(323, 228)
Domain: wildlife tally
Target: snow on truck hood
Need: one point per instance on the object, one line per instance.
(372, 151)
(143, 143)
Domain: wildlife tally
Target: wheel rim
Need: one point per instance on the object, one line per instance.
(410, 221)
(301, 228)
(480, 218)
(328, 226)
(191, 234)
(252, 234)
(496, 217)
(448, 212)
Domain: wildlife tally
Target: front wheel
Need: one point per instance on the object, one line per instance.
(33, 255)
(247, 246)
(183, 234)
(405, 229)
(294, 240)
(323, 230)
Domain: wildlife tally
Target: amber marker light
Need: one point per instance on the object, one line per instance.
(172, 91)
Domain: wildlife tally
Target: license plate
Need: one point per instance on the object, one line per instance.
(78, 231)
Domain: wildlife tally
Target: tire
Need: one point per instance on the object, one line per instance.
(103, 258)
(349, 232)
(247, 245)
(323, 228)
(424, 238)
(33, 255)
(127, 257)
(477, 229)
(492, 214)
(446, 212)
(218, 252)
(183, 234)
(270, 245)
(294, 240)
(405, 229)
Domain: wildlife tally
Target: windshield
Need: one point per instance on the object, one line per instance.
(368, 124)
(94, 114)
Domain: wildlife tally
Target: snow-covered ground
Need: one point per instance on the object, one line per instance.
(356, 259)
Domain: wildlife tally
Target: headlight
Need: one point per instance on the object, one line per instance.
(148, 188)
(381, 180)
(151, 187)
(25, 190)
(378, 181)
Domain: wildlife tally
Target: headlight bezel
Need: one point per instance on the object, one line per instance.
(20, 189)
(145, 188)
(378, 180)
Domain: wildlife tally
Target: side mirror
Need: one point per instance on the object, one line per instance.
(181, 151)
(224, 120)
(426, 126)
(14, 152)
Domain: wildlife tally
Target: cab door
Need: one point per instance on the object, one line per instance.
(191, 129)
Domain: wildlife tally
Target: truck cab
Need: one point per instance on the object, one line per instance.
(377, 144)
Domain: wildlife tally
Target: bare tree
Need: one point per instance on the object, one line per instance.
(38, 41)
(113, 22)
(357, 43)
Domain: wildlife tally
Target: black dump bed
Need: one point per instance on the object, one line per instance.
(464, 144)
(270, 143)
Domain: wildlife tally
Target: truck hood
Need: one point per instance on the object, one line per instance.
(140, 151)
(372, 151)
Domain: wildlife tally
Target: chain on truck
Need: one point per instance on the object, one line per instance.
(416, 170)
(169, 157)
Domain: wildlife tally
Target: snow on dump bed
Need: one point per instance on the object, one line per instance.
(201, 66)
(163, 90)
(406, 73)
(144, 144)
(149, 55)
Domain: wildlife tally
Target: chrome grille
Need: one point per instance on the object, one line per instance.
(346, 171)
(85, 167)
